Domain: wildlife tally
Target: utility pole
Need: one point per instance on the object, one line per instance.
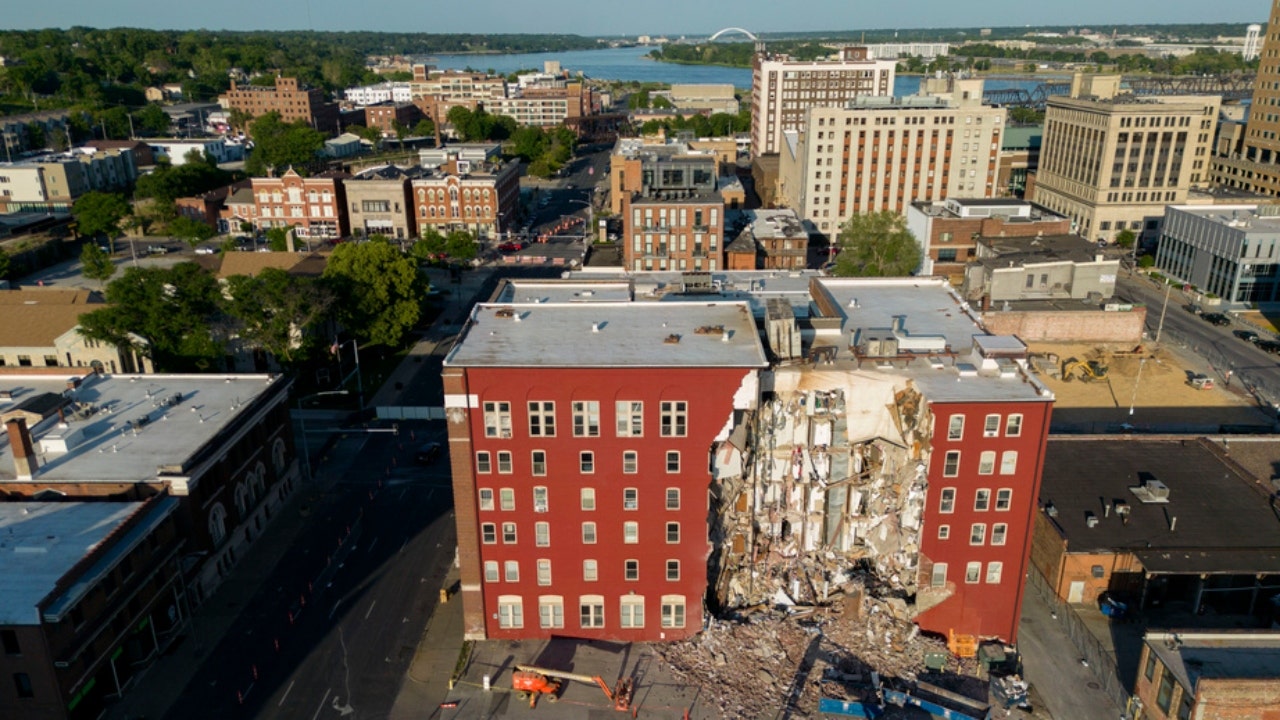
(1163, 309)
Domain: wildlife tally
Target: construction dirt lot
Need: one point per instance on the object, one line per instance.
(1156, 384)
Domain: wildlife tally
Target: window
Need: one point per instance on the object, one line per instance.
(631, 570)
(939, 577)
(673, 569)
(507, 499)
(551, 611)
(486, 498)
(673, 498)
(955, 428)
(972, 572)
(511, 570)
(987, 462)
(589, 571)
(483, 465)
(630, 462)
(1004, 498)
(673, 461)
(1184, 706)
(998, 533)
(586, 418)
(630, 499)
(544, 572)
(22, 684)
(542, 419)
(630, 418)
(1150, 670)
(587, 498)
(510, 611)
(542, 534)
(632, 608)
(217, 524)
(991, 428)
(673, 532)
(994, 569)
(497, 419)
(630, 533)
(674, 419)
(9, 639)
(540, 499)
(491, 571)
(672, 611)
(589, 533)
(508, 533)
(1164, 696)
(977, 533)
(982, 500)
(587, 462)
(504, 462)
(488, 533)
(951, 465)
(539, 460)
(591, 611)
(1013, 426)
(948, 502)
(944, 532)
(1009, 462)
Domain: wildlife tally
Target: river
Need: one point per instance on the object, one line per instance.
(630, 63)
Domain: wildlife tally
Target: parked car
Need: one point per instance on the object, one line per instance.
(1247, 335)
(157, 249)
(1192, 308)
(206, 250)
(1270, 346)
(1217, 319)
(513, 246)
(428, 453)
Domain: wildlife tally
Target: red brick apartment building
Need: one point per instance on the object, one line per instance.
(314, 206)
(579, 439)
(288, 98)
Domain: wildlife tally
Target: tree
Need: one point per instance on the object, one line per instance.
(278, 239)
(430, 246)
(877, 245)
(99, 213)
(280, 145)
(5, 264)
(379, 291)
(172, 310)
(96, 263)
(1125, 238)
(424, 128)
(152, 119)
(277, 311)
(460, 245)
(190, 230)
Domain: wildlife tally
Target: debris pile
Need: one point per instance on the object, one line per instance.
(790, 658)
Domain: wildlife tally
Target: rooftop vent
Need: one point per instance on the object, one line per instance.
(672, 339)
(1090, 518)
(1151, 491)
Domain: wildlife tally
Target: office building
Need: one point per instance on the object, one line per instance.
(288, 98)
(948, 232)
(1228, 250)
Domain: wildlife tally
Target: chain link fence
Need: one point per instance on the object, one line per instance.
(1262, 382)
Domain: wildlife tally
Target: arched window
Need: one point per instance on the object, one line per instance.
(433, 211)
(217, 523)
(258, 482)
(486, 193)
(422, 211)
(453, 194)
(466, 195)
(278, 455)
(467, 210)
(242, 500)
(421, 194)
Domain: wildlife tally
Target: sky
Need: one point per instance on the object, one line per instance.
(611, 17)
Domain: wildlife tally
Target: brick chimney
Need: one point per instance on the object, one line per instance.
(24, 457)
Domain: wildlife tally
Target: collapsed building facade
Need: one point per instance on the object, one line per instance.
(892, 447)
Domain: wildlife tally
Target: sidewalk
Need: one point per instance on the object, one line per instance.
(427, 683)
(160, 685)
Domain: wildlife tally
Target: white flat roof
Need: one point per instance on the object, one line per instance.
(41, 541)
(929, 307)
(610, 335)
(103, 445)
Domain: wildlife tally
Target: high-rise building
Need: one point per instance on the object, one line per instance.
(1112, 161)
(884, 153)
(783, 89)
(1252, 42)
(1257, 167)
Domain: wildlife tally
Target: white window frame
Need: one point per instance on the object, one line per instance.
(673, 570)
(542, 534)
(673, 498)
(670, 527)
(540, 501)
(673, 461)
(587, 499)
(484, 462)
(630, 498)
(994, 572)
(947, 501)
(586, 418)
(939, 576)
(488, 533)
(977, 533)
(673, 418)
(1009, 462)
(538, 463)
(951, 464)
(630, 462)
(589, 534)
(631, 570)
(505, 464)
(507, 499)
(973, 573)
(1013, 426)
(982, 500)
(673, 611)
(1004, 499)
(491, 571)
(955, 427)
(509, 533)
(510, 612)
(590, 571)
(511, 571)
(991, 426)
(550, 611)
(630, 533)
(591, 612)
(944, 532)
(586, 462)
(987, 462)
(629, 418)
(542, 418)
(999, 533)
(497, 419)
(544, 572)
(631, 612)
(486, 498)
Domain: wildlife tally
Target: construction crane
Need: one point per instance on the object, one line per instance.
(1089, 370)
(529, 682)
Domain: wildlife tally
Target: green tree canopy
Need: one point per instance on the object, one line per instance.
(1125, 238)
(152, 120)
(191, 231)
(381, 290)
(281, 145)
(460, 245)
(877, 245)
(429, 246)
(278, 239)
(6, 264)
(169, 182)
(96, 264)
(278, 311)
(99, 213)
(173, 310)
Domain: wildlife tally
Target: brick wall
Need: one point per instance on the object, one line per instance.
(1068, 325)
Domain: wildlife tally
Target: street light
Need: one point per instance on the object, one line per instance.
(590, 214)
(302, 420)
(336, 349)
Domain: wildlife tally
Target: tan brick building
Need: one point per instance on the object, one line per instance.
(380, 202)
(639, 166)
(384, 116)
(876, 154)
(949, 231)
(288, 98)
(1112, 162)
(1209, 675)
(783, 90)
(1256, 168)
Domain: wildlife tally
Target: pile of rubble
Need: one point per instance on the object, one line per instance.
(789, 658)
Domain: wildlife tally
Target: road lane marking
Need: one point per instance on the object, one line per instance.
(370, 610)
(322, 700)
(406, 542)
(286, 694)
(370, 548)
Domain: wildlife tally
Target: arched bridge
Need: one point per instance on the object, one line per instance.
(738, 30)
(1230, 87)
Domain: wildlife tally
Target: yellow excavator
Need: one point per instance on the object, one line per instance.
(1089, 370)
